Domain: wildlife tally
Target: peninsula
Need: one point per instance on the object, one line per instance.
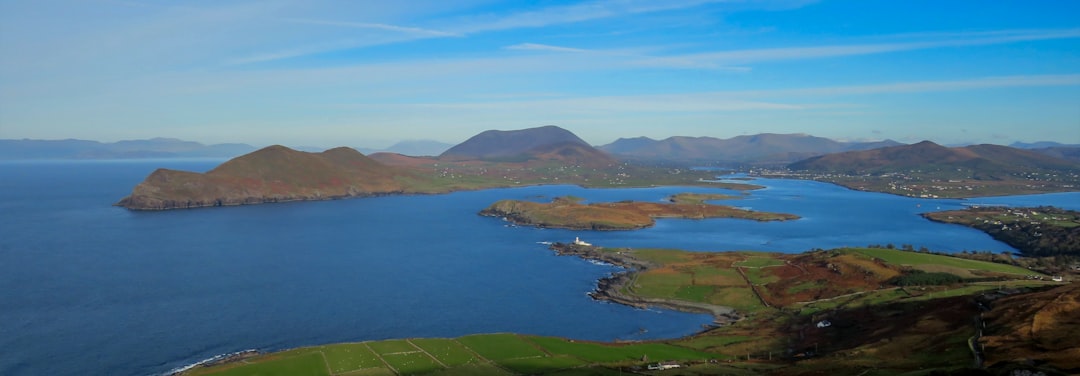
(839, 312)
(1041, 231)
(570, 213)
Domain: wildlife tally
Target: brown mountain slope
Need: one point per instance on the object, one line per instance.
(1043, 327)
(572, 153)
(271, 174)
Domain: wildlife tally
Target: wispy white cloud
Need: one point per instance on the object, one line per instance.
(579, 12)
(376, 26)
(747, 56)
(543, 47)
(922, 86)
(542, 17)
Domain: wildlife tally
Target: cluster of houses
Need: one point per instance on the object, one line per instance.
(1056, 278)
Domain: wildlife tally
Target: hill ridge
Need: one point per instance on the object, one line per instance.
(272, 174)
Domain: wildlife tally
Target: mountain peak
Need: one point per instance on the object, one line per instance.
(497, 144)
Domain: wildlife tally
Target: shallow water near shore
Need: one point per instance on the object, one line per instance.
(95, 289)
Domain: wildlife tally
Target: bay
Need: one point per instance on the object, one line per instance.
(93, 289)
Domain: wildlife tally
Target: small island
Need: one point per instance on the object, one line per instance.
(570, 213)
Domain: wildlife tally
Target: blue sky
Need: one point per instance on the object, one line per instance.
(369, 73)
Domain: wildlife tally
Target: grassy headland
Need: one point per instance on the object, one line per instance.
(568, 212)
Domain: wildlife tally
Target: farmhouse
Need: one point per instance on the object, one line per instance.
(664, 366)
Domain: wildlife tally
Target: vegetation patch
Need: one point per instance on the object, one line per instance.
(607, 353)
(759, 262)
(567, 212)
(350, 357)
(920, 278)
(530, 366)
(918, 259)
(392, 346)
(711, 342)
(310, 363)
(447, 351)
(700, 198)
(498, 347)
(411, 363)
(472, 370)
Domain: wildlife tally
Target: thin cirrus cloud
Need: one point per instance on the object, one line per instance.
(729, 60)
(543, 47)
(745, 56)
(723, 101)
(926, 86)
(463, 27)
(377, 26)
(579, 13)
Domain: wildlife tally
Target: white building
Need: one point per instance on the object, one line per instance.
(578, 241)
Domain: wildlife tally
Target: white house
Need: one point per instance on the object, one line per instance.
(578, 241)
(664, 366)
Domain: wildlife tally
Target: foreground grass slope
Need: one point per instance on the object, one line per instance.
(493, 354)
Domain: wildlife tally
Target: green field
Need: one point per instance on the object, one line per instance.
(448, 351)
(498, 347)
(350, 357)
(537, 365)
(308, 363)
(411, 363)
(918, 259)
(484, 354)
(606, 353)
(392, 347)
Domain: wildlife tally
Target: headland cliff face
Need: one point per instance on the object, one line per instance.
(271, 174)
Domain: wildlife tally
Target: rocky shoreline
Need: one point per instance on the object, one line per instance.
(611, 288)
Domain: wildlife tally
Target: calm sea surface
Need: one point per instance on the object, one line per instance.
(87, 288)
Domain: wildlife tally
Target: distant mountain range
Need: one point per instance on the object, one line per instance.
(760, 148)
(83, 149)
(517, 145)
(985, 161)
(1042, 145)
(278, 173)
(416, 148)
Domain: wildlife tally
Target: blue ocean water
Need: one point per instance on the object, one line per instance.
(88, 288)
